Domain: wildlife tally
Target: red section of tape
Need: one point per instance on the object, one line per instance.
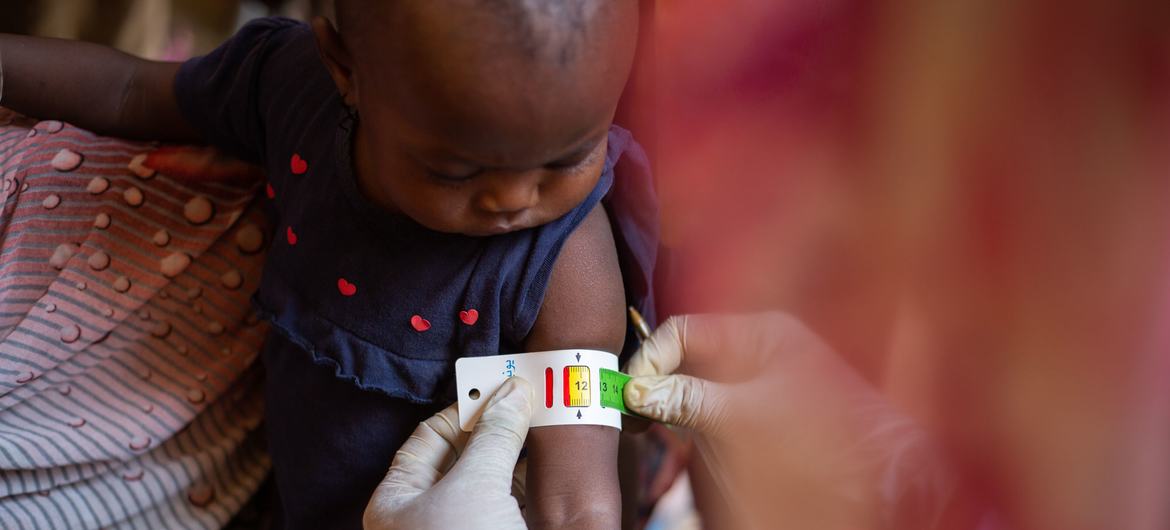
(548, 388)
(566, 377)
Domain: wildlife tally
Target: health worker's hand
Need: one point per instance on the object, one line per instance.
(791, 435)
(444, 478)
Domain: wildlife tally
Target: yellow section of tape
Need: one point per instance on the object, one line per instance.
(577, 386)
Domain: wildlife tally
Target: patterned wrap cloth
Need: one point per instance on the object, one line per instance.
(128, 397)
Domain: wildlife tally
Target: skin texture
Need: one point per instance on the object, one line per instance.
(572, 470)
(93, 87)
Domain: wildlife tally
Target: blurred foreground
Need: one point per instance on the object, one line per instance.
(968, 199)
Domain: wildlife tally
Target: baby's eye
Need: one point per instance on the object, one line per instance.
(449, 177)
(564, 164)
(575, 160)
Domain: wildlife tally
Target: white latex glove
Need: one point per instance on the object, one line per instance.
(792, 436)
(444, 478)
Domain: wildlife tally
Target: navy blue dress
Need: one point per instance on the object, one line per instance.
(369, 310)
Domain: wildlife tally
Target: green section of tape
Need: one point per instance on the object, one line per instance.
(613, 386)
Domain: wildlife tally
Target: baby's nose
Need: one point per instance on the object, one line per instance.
(510, 198)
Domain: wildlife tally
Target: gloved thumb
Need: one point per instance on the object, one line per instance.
(679, 400)
(498, 436)
(662, 353)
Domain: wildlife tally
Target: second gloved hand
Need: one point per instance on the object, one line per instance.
(443, 478)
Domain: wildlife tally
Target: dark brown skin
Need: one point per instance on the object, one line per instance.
(92, 86)
(463, 129)
(572, 470)
(466, 132)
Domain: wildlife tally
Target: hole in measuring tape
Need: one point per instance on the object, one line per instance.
(473, 393)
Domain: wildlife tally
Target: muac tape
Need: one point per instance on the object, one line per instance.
(572, 387)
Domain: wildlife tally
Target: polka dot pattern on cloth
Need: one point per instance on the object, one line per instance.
(101, 349)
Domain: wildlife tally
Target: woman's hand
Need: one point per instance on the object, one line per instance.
(791, 434)
(445, 478)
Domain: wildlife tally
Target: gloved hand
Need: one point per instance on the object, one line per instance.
(444, 478)
(791, 434)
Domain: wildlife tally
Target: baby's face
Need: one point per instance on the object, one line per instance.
(479, 169)
(467, 126)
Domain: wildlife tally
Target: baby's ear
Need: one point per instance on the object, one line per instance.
(336, 58)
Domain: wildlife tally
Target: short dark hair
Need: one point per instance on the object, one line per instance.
(554, 28)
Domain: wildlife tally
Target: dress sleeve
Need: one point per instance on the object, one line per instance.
(632, 206)
(626, 189)
(219, 93)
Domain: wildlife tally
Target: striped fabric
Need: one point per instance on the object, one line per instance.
(128, 399)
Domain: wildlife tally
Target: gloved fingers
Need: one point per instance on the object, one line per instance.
(429, 452)
(520, 482)
(680, 400)
(663, 352)
(707, 345)
(495, 443)
(658, 355)
(722, 347)
(445, 424)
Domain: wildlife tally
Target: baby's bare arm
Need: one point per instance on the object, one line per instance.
(93, 87)
(572, 470)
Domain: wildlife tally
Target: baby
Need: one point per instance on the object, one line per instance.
(435, 171)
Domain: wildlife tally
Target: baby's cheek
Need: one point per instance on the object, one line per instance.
(569, 190)
(445, 209)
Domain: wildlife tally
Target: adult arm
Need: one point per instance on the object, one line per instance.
(792, 435)
(92, 86)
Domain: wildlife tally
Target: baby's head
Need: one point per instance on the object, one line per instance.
(480, 116)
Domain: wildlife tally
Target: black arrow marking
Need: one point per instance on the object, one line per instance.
(578, 414)
(578, 356)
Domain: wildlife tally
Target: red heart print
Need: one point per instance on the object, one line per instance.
(346, 288)
(268, 190)
(419, 324)
(292, 236)
(469, 317)
(298, 165)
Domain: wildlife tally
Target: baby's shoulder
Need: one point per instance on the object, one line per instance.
(248, 95)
